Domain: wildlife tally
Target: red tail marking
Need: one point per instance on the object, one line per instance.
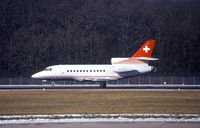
(146, 49)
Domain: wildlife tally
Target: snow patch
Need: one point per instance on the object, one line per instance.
(65, 118)
(93, 115)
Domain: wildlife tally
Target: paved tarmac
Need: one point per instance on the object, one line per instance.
(108, 125)
(96, 86)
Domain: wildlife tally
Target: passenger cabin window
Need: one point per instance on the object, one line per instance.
(50, 69)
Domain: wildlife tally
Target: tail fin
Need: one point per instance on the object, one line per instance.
(143, 55)
(146, 49)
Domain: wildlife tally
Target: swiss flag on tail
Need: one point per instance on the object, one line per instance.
(146, 49)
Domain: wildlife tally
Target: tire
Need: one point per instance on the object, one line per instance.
(103, 84)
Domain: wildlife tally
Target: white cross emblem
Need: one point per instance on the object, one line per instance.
(146, 49)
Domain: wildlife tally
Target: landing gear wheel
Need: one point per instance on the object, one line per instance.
(103, 84)
(53, 84)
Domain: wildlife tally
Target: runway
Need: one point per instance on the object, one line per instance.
(109, 86)
(108, 125)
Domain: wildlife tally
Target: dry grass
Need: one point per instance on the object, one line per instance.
(98, 101)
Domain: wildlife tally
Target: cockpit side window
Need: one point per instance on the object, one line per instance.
(47, 69)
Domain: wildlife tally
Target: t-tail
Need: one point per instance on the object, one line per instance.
(143, 55)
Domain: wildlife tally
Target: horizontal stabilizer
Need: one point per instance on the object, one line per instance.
(146, 58)
(119, 69)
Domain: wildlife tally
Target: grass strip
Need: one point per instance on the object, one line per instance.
(25, 102)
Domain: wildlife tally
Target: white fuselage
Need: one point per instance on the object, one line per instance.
(118, 69)
(92, 72)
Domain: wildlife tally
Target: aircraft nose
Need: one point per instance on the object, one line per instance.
(34, 75)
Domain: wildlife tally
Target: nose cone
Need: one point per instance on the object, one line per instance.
(34, 76)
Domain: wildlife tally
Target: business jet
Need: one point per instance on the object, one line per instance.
(119, 68)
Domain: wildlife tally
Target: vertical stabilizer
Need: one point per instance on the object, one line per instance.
(146, 49)
(142, 56)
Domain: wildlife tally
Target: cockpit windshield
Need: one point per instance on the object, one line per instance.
(47, 69)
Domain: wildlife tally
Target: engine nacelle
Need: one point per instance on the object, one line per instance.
(119, 69)
(116, 60)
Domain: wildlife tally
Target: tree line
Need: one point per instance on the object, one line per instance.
(35, 34)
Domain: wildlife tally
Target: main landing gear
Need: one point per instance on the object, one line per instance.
(52, 84)
(103, 84)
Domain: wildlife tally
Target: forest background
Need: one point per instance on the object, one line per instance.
(35, 34)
